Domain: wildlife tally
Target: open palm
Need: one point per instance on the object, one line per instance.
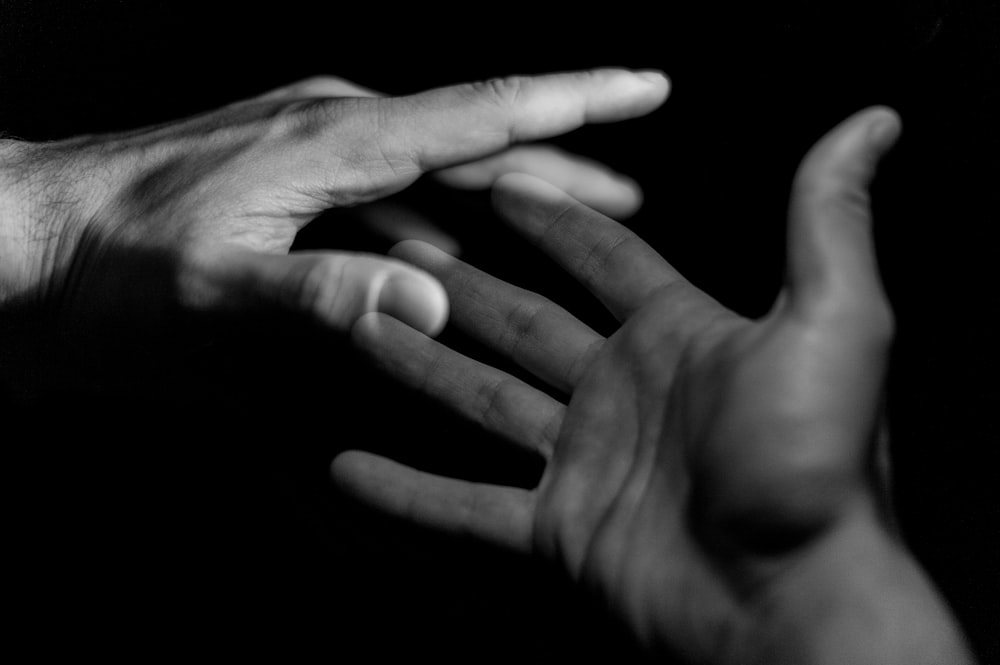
(710, 475)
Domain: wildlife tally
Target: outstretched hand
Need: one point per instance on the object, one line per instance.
(197, 217)
(712, 477)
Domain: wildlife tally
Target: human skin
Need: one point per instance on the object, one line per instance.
(108, 240)
(713, 480)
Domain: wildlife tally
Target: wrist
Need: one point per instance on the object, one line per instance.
(32, 219)
(856, 596)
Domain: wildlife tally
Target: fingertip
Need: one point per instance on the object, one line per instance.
(884, 128)
(852, 148)
(623, 198)
(645, 91)
(873, 130)
(517, 184)
(416, 299)
(339, 462)
(345, 468)
(646, 79)
(881, 112)
(657, 79)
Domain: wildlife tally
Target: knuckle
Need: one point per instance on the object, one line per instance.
(312, 86)
(831, 192)
(337, 120)
(366, 135)
(590, 79)
(308, 119)
(494, 400)
(843, 202)
(316, 85)
(521, 324)
(603, 254)
(503, 91)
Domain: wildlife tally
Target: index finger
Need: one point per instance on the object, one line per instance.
(456, 124)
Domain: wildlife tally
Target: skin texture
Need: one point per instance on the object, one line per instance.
(712, 479)
(104, 240)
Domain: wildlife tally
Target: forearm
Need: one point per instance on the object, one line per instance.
(29, 225)
(20, 231)
(10, 232)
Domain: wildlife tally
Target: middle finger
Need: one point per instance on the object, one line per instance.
(534, 332)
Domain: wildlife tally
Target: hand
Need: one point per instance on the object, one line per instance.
(711, 477)
(104, 235)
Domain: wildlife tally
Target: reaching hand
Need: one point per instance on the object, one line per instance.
(711, 477)
(197, 216)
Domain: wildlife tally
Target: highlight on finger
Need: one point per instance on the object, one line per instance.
(316, 87)
(332, 288)
(414, 299)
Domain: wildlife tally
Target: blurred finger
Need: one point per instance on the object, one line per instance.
(614, 263)
(589, 182)
(495, 400)
(533, 331)
(332, 288)
(497, 515)
(396, 223)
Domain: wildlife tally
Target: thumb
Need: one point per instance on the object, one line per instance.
(332, 288)
(832, 269)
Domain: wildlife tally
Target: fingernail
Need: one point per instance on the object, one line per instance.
(652, 76)
(419, 302)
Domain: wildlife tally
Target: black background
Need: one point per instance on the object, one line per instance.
(187, 508)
